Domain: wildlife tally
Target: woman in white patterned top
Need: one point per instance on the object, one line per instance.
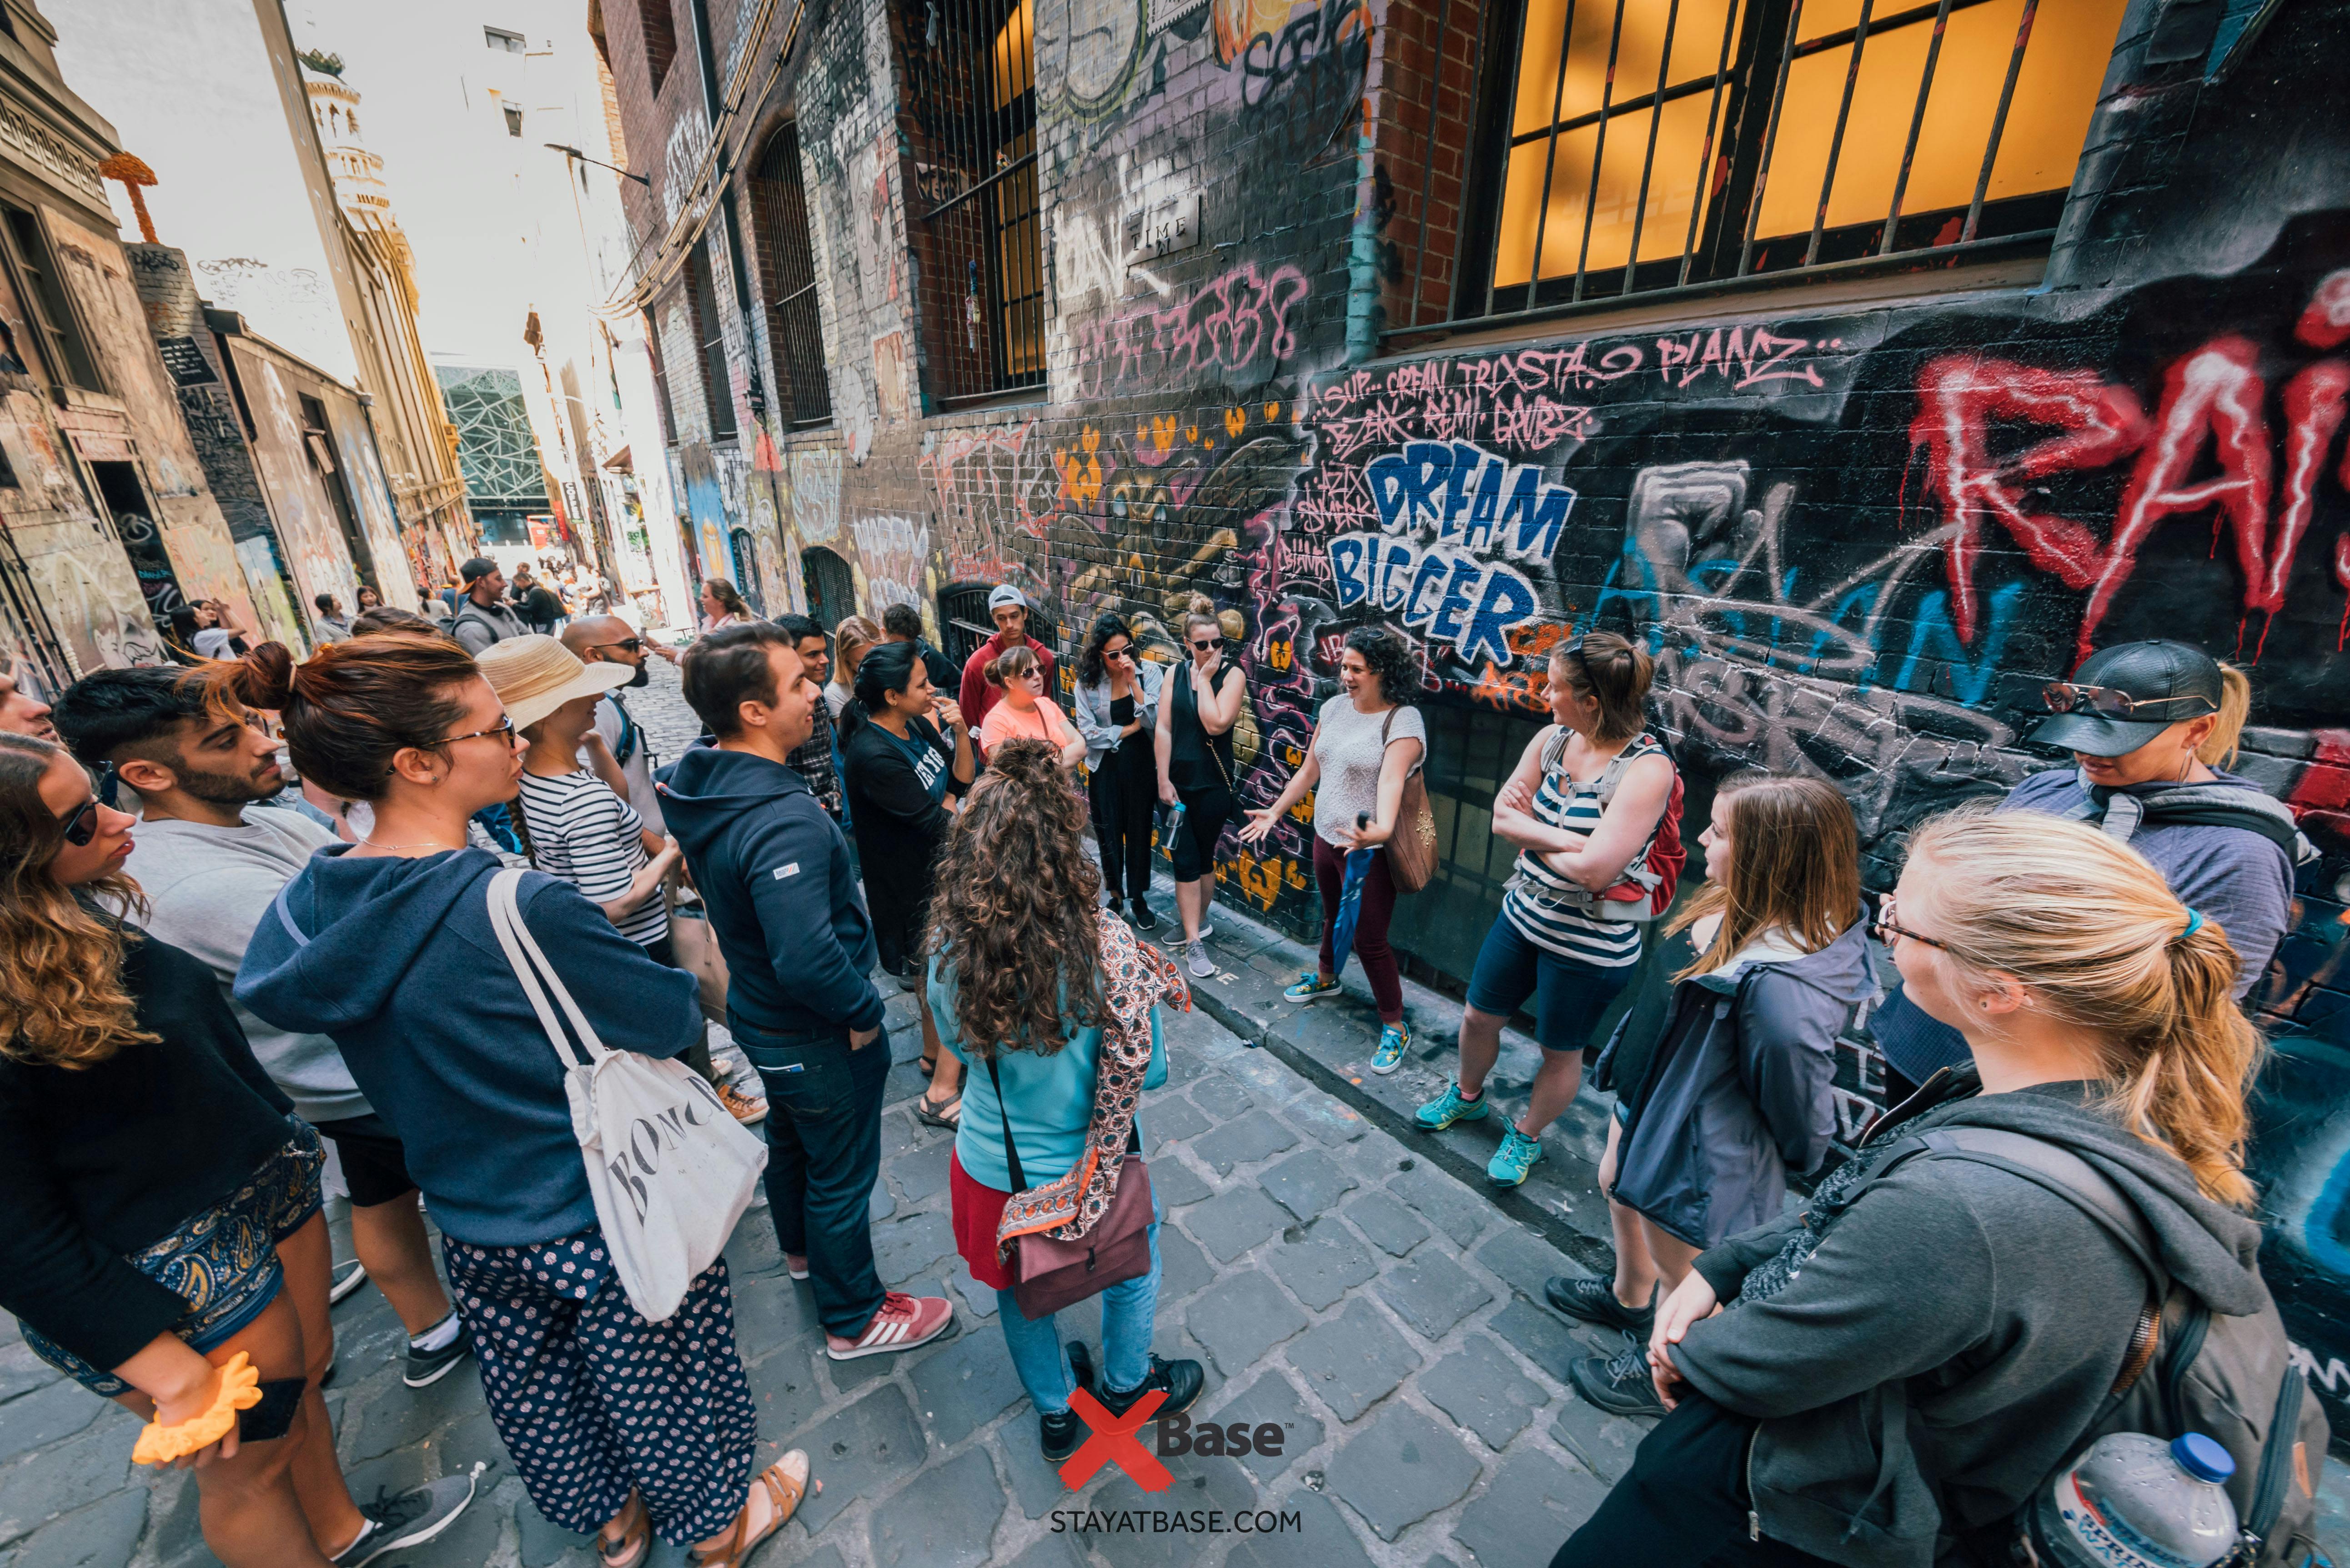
(1549, 942)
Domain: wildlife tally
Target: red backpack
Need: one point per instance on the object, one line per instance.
(1649, 882)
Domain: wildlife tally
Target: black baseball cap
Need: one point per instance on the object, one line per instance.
(2183, 679)
(474, 570)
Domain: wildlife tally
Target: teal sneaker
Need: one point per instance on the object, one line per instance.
(1448, 1109)
(1515, 1158)
(1311, 985)
(1393, 1040)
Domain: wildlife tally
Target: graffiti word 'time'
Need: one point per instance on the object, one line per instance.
(1474, 498)
(1447, 595)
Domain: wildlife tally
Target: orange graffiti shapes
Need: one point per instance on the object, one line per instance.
(1510, 689)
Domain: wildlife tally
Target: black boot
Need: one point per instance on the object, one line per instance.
(1059, 1433)
(1181, 1381)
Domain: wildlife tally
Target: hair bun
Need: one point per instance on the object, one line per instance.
(267, 678)
(1030, 764)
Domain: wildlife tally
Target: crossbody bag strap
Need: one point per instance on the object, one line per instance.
(1010, 1151)
(537, 975)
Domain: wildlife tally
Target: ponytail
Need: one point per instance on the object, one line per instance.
(886, 669)
(2219, 747)
(2096, 935)
(1012, 661)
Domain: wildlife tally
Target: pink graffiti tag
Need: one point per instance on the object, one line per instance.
(1228, 326)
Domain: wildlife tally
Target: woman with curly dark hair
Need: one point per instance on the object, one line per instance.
(1117, 714)
(1055, 1008)
(1366, 742)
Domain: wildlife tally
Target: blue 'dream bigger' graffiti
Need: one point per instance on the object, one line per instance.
(1444, 509)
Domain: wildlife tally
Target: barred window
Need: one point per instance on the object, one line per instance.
(709, 339)
(1639, 146)
(795, 322)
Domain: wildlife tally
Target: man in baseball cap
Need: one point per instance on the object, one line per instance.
(483, 616)
(1008, 606)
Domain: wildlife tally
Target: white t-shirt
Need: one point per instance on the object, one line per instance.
(590, 838)
(1347, 747)
(212, 642)
(636, 768)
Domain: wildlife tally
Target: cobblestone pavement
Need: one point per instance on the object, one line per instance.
(1336, 1275)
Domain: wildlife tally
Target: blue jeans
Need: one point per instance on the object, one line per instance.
(1128, 1314)
(1569, 996)
(824, 1154)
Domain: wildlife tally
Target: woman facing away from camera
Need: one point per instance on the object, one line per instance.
(1366, 742)
(1884, 1376)
(1735, 1094)
(617, 1425)
(1117, 714)
(1055, 1011)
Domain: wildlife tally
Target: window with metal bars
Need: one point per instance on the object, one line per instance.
(972, 87)
(795, 323)
(44, 294)
(1629, 147)
(710, 339)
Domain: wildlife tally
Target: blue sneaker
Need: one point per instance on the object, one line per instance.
(1517, 1156)
(1448, 1109)
(1310, 985)
(1393, 1040)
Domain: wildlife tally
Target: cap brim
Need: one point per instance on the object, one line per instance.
(593, 680)
(2093, 735)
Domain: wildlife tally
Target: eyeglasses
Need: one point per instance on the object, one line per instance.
(2064, 697)
(83, 826)
(1886, 928)
(626, 644)
(503, 730)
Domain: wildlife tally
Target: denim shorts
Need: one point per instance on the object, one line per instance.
(221, 1262)
(1569, 994)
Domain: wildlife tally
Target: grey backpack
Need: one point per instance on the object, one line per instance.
(2188, 1369)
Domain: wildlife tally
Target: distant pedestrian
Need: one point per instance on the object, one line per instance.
(616, 1424)
(164, 1207)
(851, 640)
(608, 639)
(1008, 608)
(1367, 740)
(219, 632)
(902, 774)
(722, 606)
(903, 623)
(1057, 1010)
(1194, 753)
(1024, 709)
(21, 712)
(483, 614)
(211, 856)
(1583, 805)
(333, 625)
(536, 602)
(775, 873)
(1117, 714)
(366, 599)
(387, 618)
(817, 758)
(1735, 1094)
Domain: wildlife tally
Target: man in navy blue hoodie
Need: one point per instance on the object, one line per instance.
(775, 875)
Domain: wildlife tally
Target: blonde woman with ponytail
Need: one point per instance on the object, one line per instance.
(1902, 1363)
(2151, 727)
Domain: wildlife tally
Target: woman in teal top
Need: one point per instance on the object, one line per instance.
(1017, 919)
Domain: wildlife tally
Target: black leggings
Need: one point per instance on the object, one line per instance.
(1683, 1501)
(1125, 787)
(1205, 813)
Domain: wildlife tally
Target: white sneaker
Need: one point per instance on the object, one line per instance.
(1196, 959)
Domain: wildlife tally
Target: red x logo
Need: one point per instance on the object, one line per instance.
(1113, 1442)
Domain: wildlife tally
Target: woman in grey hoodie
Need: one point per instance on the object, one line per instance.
(1904, 1363)
(1738, 1093)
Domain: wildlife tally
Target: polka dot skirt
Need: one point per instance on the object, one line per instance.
(592, 1401)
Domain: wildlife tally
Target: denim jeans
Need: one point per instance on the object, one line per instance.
(824, 1154)
(1129, 1312)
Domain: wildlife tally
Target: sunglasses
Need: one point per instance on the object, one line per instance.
(1204, 645)
(1887, 928)
(2064, 697)
(83, 826)
(626, 644)
(503, 730)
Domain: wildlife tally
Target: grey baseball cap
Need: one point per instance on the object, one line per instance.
(1005, 594)
(2183, 681)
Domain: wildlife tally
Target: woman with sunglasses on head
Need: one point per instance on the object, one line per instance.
(164, 1203)
(1117, 714)
(1888, 1374)
(1194, 751)
(1367, 740)
(2151, 727)
(1026, 710)
(617, 1425)
(1582, 807)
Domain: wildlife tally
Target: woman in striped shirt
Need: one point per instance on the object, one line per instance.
(1547, 943)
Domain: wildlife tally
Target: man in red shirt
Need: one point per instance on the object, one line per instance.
(1009, 610)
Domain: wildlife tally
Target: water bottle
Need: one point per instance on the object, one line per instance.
(2137, 1501)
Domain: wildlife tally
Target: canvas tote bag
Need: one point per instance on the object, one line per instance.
(670, 1170)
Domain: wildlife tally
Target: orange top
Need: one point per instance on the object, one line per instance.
(1045, 722)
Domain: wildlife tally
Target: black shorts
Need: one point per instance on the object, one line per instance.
(1206, 813)
(375, 1168)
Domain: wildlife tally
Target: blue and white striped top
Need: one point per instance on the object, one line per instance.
(1564, 928)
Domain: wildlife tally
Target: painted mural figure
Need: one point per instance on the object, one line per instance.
(1587, 802)
(1194, 747)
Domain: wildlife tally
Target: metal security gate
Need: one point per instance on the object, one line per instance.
(831, 586)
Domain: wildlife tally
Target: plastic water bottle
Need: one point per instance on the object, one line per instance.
(2137, 1501)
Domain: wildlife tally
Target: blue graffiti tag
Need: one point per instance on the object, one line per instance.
(1448, 595)
(1476, 499)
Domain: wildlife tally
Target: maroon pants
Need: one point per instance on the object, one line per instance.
(1370, 925)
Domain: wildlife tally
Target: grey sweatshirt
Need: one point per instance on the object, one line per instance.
(210, 885)
(1920, 1360)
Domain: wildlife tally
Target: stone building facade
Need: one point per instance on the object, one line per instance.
(1871, 366)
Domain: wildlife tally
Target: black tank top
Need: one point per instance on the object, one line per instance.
(1195, 759)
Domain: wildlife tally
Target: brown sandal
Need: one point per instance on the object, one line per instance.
(786, 1481)
(636, 1537)
(946, 1113)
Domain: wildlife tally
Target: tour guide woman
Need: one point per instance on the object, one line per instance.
(1117, 713)
(1904, 1362)
(1366, 742)
(1201, 704)
(1555, 939)
(163, 1203)
(1057, 1009)
(386, 946)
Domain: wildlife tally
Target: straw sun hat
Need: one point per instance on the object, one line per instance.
(534, 675)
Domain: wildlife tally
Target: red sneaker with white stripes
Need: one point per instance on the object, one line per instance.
(903, 1322)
